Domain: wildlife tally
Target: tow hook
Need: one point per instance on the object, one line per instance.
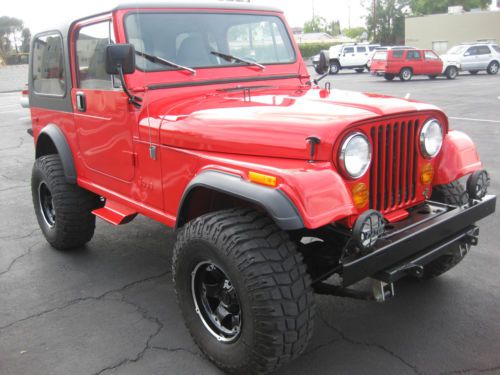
(382, 291)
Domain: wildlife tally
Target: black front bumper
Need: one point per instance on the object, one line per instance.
(417, 240)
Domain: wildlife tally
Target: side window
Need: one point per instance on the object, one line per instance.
(90, 54)
(48, 65)
(429, 55)
(471, 51)
(483, 50)
(360, 49)
(349, 50)
(397, 53)
(413, 55)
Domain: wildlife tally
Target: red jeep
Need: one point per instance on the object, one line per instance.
(205, 118)
(406, 63)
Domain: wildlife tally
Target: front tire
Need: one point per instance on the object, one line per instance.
(453, 194)
(63, 210)
(405, 74)
(493, 67)
(273, 314)
(451, 72)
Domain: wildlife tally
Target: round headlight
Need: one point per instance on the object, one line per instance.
(355, 155)
(431, 138)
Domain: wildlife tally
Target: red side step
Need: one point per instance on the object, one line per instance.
(115, 213)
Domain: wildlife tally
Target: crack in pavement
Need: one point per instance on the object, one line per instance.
(21, 142)
(9, 267)
(363, 343)
(22, 236)
(465, 371)
(12, 188)
(82, 299)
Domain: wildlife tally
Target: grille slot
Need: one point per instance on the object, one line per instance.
(393, 174)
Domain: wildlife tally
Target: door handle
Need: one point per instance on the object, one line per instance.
(81, 104)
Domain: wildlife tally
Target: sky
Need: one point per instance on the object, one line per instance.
(41, 14)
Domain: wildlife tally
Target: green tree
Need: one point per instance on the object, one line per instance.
(9, 26)
(354, 32)
(316, 25)
(25, 40)
(423, 7)
(333, 28)
(386, 20)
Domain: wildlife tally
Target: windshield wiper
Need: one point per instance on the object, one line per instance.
(163, 61)
(231, 58)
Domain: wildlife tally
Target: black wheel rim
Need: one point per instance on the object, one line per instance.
(216, 301)
(46, 204)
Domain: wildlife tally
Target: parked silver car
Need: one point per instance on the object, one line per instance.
(475, 57)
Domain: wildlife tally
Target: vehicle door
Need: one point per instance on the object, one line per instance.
(102, 114)
(469, 59)
(484, 56)
(348, 57)
(362, 55)
(433, 65)
(414, 59)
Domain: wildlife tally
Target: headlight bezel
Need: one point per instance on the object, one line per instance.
(422, 138)
(342, 155)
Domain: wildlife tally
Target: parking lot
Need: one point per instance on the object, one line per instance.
(110, 308)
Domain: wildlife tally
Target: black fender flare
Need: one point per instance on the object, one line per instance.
(279, 207)
(53, 133)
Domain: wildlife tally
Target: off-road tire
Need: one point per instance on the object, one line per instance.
(493, 67)
(74, 222)
(334, 67)
(405, 74)
(453, 194)
(451, 72)
(270, 278)
(389, 76)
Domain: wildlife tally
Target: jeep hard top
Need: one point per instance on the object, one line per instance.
(205, 118)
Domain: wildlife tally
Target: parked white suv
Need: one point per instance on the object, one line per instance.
(348, 56)
(475, 57)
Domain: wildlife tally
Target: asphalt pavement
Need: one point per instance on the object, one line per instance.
(110, 308)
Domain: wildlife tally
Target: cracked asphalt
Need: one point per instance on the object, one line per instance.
(110, 307)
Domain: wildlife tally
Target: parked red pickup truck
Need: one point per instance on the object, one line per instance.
(406, 63)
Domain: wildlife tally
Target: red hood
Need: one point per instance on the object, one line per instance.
(268, 122)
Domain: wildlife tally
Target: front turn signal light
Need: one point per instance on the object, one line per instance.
(262, 179)
(427, 174)
(360, 195)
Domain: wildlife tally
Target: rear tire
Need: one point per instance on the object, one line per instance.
(453, 194)
(451, 72)
(63, 210)
(275, 304)
(405, 74)
(334, 67)
(493, 67)
(389, 77)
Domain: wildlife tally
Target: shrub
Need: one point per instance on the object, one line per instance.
(311, 49)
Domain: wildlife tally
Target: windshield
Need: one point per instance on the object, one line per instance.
(457, 50)
(189, 39)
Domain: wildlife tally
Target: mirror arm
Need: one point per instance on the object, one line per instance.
(135, 100)
(316, 80)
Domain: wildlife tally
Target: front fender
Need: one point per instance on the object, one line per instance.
(458, 157)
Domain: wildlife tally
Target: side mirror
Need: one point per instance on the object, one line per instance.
(120, 55)
(323, 64)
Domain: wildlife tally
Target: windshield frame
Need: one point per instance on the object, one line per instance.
(218, 12)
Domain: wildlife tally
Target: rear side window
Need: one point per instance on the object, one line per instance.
(49, 76)
(413, 55)
(90, 53)
(380, 55)
(398, 53)
(483, 50)
(361, 49)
